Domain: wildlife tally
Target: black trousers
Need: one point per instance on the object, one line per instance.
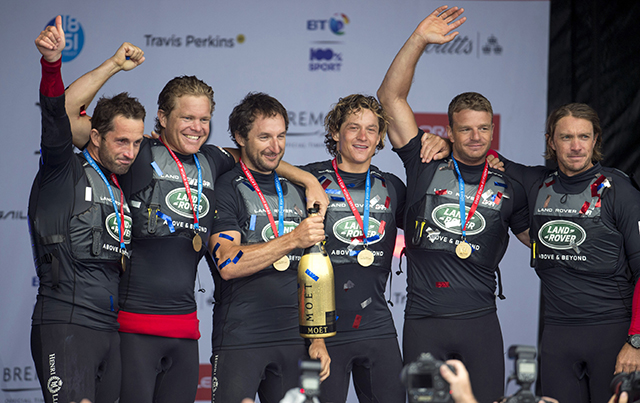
(476, 342)
(375, 365)
(158, 369)
(74, 363)
(269, 371)
(577, 362)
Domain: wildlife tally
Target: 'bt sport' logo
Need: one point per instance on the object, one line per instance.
(324, 60)
(73, 34)
(336, 24)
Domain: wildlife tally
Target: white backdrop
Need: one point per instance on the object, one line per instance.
(306, 54)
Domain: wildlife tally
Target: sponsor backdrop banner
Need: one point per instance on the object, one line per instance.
(306, 54)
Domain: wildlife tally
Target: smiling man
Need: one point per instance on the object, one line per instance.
(585, 243)
(366, 345)
(260, 232)
(80, 227)
(458, 213)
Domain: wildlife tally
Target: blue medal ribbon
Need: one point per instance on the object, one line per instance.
(119, 219)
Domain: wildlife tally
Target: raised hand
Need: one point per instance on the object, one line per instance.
(128, 57)
(437, 27)
(51, 41)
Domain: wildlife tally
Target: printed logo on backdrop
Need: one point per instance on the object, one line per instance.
(323, 58)
(437, 123)
(306, 130)
(7, 215)
(463, 45)
(74, 36)
(191, 41)
(20, 379)
(204, 383)
(336, 24)
(492, 46)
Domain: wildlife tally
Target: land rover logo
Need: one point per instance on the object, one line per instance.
(447, 217)
(348, 228)
(112, 227)
(178, 202)
(267, 231)
(561, 234)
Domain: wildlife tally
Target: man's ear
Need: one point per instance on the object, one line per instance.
(95, 138)
(450, 134)
(162, 118)
(549, 142)
(239, 139)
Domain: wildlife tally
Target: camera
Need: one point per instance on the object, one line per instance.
(423, 380)
(627, 382)
(309, 383)
(525, 373)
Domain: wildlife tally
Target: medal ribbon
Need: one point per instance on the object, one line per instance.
(367, 194)
(461, 194)
(280, 228)
(119, 214)
(185, 181)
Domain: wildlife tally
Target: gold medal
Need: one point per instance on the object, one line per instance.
(463, 250)
(282, 264)
(365, 258)
(197, 242)
(123, 262)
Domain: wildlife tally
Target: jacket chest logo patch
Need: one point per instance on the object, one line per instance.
(347, 228)
(267, 231)
(112, 227)
(447, 217)
(561, 234)
(178, 201)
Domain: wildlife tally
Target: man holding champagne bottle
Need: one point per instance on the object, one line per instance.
(260, 232)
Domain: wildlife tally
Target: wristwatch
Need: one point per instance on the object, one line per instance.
(634, 340)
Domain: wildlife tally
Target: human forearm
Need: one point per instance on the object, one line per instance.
(80, 94)
(235, 260)
(83, 90)
(393, 91)
(314, 192)
(397, 82)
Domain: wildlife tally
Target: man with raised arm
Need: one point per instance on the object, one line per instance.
(458, 213)
(171, 188)
(80, 228)
(260, 233)
(366, 344)
(585, 245)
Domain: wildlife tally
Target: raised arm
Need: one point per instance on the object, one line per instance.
(82, 91)
(393, 91)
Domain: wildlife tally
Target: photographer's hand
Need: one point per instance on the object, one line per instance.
(459, 382)
(624, 398)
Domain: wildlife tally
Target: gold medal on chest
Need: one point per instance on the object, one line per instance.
(282, 264)
(463, 250)
(197, 242)
(365, 258)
